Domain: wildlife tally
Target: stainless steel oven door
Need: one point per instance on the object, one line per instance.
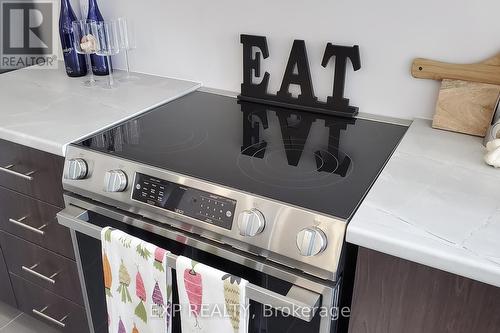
(282, 299)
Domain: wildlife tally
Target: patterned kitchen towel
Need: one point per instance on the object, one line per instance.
(210, 301)
(138, 284)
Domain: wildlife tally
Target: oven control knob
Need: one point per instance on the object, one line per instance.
(251, 222)
(311, 241)
(115, 181)
(76, 169)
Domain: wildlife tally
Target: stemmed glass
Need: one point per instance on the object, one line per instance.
(107, 44)
(85, 43)
(127, 41)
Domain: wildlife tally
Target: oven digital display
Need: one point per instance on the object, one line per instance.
(200, 205)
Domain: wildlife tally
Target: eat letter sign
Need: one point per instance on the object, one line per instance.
(298, 73)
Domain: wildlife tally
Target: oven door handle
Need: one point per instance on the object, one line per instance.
(77, 219)
(298, 302)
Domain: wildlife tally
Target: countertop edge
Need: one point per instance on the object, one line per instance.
(453, 264)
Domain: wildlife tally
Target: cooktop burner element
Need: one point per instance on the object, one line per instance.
(305, 156)
(115, 139)
(283, 166)
(319, 162)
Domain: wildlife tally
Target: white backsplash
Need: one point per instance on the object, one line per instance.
(199, 40)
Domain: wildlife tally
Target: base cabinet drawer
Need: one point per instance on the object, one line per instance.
(56, 311)
(35, 221)
(6, 292)
(31, 172)
(42, 267)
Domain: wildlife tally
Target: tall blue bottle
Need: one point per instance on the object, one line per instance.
(75, 63)
(99, 63)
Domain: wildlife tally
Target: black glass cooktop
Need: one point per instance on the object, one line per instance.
(319, 162)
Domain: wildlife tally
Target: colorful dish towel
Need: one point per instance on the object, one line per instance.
(138, 284)
(210, 301)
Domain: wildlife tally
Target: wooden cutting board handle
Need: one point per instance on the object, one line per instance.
(487, 71)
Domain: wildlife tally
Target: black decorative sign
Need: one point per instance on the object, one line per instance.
(298, 73)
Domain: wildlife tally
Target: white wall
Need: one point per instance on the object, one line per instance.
(199, 40)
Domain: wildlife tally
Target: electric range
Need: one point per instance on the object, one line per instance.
(266, 188)
(255, 162)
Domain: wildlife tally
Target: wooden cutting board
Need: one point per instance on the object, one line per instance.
(465, 107)
(468, 93)
(487, 71)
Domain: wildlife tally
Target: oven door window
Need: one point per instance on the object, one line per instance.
(260, 321)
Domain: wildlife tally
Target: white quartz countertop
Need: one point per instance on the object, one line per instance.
(46, 110)
(436, 203)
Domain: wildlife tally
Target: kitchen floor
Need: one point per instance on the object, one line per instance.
(14, 321)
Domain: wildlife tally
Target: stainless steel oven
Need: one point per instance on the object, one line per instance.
(282, 299)
(262, 193)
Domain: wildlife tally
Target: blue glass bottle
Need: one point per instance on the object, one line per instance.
(99, 64)
(75, 63)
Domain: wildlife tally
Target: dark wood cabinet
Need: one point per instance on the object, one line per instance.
(392, 295)
(42, 267)
(39, 258)
(56, 311)
(6, 292)
(35, 221)
(31, 172)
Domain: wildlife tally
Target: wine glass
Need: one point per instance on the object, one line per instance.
(127, 41)
(84, 43)
(107, 44)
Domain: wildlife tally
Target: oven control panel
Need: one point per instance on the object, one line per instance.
(200, 205)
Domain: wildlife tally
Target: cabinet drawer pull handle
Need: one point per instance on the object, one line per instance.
(20, 223)
(31, 270)
(8, 169)
(41, 314)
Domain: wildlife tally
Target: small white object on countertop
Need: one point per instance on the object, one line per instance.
(435, 203)
(492, 156)
(46, 110)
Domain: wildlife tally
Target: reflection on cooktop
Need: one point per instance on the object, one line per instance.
(308, 145)
(116, 138)
(128, 137)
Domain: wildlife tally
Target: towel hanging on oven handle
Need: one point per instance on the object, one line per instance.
(303, 303)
